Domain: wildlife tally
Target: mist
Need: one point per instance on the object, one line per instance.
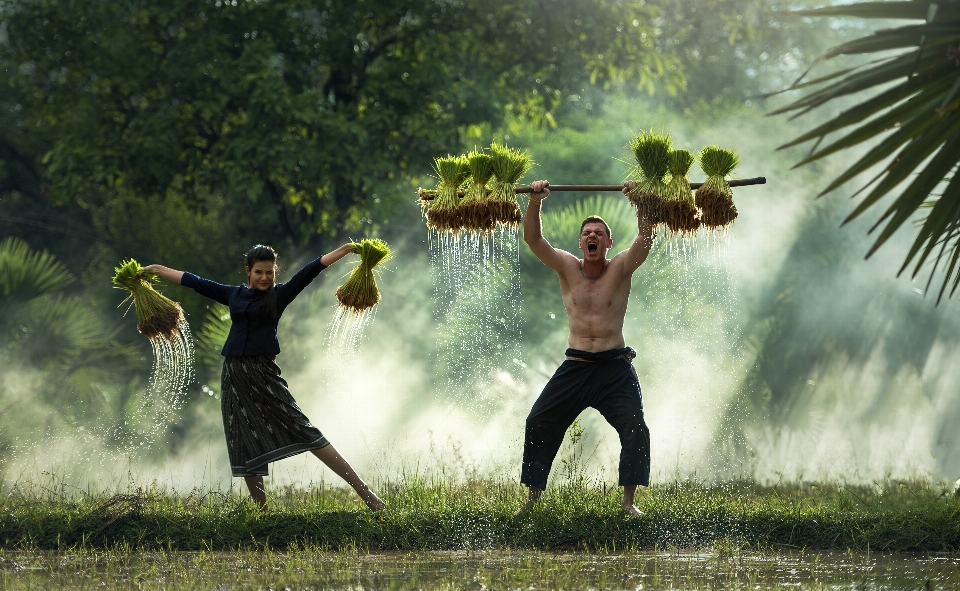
(772, 352)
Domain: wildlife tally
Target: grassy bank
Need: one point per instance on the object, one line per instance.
(478, 514)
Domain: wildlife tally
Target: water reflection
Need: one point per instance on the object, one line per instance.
(528, 571)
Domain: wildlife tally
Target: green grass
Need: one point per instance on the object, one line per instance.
(425, 515)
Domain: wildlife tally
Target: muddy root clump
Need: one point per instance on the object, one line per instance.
(164, 323)
(682, 217)
(716, 208)
(649, 206)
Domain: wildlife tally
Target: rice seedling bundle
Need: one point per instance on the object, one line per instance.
(715, 197)
(477, 211)
(161, 320)
(652, 153)
(681, 212)
(360, 293)
(158, 317)
(509, 165)
(452, 172)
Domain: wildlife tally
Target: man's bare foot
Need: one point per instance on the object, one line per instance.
(631, 509)
(533, 495)
(525, 507)
(629, 493)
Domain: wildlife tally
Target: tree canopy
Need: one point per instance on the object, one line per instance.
(298, 106)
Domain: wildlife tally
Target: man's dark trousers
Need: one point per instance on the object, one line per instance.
(605, 381)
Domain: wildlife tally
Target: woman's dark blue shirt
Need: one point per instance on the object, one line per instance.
(253, 331)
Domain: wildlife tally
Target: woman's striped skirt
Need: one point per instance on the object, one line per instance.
(261, 419)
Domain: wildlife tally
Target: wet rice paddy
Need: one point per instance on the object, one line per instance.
(718, 568)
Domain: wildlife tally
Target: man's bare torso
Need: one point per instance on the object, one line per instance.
(595, 307)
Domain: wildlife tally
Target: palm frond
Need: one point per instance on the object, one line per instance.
(26, 274)
(897, 10)
(915, 124)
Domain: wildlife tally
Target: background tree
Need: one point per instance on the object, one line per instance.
(297, 107)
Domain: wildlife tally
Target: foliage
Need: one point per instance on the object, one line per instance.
(733, 51)
(298, 109)
(824, 317)
(64, 337)
(916, 92)
(210, 339)
(426, 513)
(26, 274)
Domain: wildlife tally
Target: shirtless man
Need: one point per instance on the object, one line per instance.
(598, 371)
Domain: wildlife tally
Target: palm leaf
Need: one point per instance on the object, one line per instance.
(884, 100)
(942, 220)
(26, 274)
(913, 197)
(901, 66)
(897, 10)
(916, 119)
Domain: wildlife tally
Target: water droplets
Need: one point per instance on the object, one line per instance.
(477, 296)
(347, 326)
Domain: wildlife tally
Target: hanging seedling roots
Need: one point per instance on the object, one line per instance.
(161, 320)
(165, 323)
(353, 301)
(682, 217)
(714, 197)
(716, 208)
(649, 206)
(651, 150)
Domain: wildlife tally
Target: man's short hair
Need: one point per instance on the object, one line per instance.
(595, 219)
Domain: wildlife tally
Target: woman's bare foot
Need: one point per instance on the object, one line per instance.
(257, 491)
(631, 509)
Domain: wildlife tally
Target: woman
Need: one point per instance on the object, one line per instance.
(261, 419)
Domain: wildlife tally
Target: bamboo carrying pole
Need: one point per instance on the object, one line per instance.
(760, 180)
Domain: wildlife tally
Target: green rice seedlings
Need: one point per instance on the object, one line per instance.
(680, 210)
(651, 150)
(475, 209)
(158, 317)
(161, 320)
(360, 292)
(452, 172)
(509, 166)
(714, 197)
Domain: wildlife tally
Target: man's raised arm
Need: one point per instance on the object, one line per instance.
(638, 251)
(533, 232)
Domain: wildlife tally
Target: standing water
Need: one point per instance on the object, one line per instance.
(318, 569)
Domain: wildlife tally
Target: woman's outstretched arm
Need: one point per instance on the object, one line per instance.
(335, 255)
(166, 272)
